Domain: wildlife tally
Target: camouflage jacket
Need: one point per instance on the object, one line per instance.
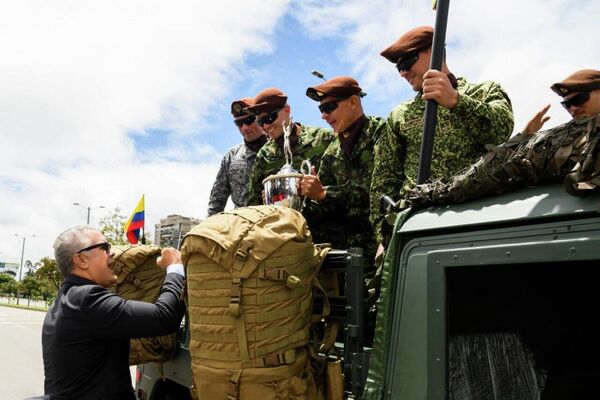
(312, 142)
(568, 153)
(342, 218)
(483, 115)
(232, 179)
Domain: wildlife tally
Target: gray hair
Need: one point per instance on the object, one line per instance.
(68, 243)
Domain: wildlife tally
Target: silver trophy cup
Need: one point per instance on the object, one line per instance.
(282, 189)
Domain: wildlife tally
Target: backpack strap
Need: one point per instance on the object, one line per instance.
(234, 311)
(275, 360)
(134, 281)
(234, 382)
(242, 342)
(119, 266)
(241, 254)
(326, 305)
(235, 297)
(280, 274)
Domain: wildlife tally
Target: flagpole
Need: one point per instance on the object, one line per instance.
(144, 226)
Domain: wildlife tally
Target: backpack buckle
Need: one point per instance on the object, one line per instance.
(241, 254)
(233, 392)
(135, 281)
(234, 297)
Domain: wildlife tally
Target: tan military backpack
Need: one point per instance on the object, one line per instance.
(250, 276)
(139, 278)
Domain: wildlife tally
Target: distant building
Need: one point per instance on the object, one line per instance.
(9, 268)
(171, 230)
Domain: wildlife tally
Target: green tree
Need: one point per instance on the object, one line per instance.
(49, 278)
(8, 285)
(48, 272)
(112, 227)
(6, 278)
(30, 287)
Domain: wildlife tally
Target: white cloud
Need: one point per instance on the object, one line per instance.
(169, 187)
(78, 78)
(526, 46)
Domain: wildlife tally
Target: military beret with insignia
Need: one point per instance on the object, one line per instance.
(581, 81)
(337, 88)
(238, 107)
(270, 99)
(413, 40)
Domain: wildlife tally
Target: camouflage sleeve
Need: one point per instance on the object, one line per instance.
(388, 174)
(317, 211)
(325, 137)
(488, 108)
(335, 192)
(255, 187)
(321, 139)
(221, 189)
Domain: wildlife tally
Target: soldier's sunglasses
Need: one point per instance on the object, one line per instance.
(576, 100)
(330, 106)
(405, 63)
(104, 246)
(269, 118)
(249, 120)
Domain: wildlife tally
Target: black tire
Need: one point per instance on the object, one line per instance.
(169, 390)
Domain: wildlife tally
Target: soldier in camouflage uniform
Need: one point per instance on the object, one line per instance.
(341, 190)
(307, 143)
(232, 178)
(469, 117)
(569, 153)
(581, 98)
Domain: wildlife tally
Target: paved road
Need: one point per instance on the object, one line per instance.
(22, 372)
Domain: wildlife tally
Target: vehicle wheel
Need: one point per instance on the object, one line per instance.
(169, 390)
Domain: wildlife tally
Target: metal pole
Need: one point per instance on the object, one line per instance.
(437, 56)
(89, 209)
(20, 269)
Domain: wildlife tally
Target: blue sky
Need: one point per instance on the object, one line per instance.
(294, 55)
(103, 101)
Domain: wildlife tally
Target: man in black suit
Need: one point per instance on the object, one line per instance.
(85, 336)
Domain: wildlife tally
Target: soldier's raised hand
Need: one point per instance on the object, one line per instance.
(311, 187)
(536, 123)
(437, 86)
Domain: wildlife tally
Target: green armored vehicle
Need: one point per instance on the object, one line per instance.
(490, 299)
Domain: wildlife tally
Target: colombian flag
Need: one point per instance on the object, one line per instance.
(135, 223)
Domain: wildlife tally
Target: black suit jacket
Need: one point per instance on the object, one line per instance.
(85, 337)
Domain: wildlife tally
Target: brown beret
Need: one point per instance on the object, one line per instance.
(581, 81)
(415, 39)
(270, 99)
(238, 107)
(338, 88)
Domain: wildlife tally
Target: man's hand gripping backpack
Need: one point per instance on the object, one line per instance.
(139, 278)
(250, 276)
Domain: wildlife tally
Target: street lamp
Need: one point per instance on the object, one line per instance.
(88, 210)
(21, 265)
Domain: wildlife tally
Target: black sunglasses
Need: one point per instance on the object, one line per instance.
(405, 63)
(576, 100)
(104, 246)
(269, 118)
(249, 120)
(330, 106)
